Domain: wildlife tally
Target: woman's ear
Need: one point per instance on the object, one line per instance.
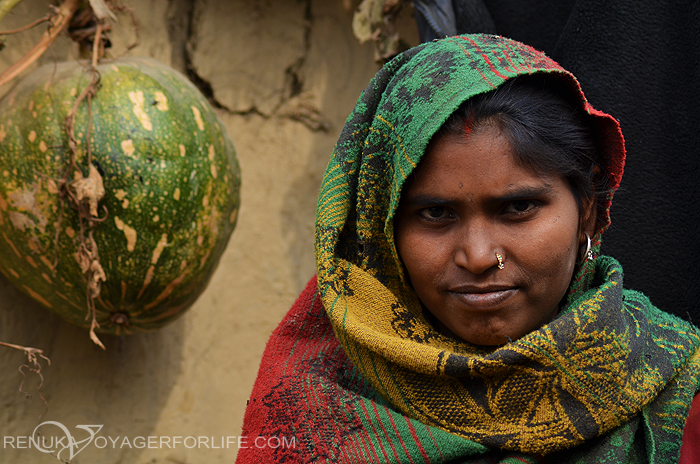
(589, 208)
(589, 215)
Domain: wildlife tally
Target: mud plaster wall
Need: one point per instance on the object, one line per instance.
(283, 76)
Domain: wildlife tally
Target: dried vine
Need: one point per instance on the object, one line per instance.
(32, 365)
(57, 24)
(27, 27)
(83, 194)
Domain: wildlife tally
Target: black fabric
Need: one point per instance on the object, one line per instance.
(435, 19)
(638, 60)
(473, 14)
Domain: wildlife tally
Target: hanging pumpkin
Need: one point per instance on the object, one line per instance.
(119, 189)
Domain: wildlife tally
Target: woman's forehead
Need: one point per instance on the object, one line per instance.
(481, 165)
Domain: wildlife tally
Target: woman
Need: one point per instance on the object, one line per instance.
(461, 311)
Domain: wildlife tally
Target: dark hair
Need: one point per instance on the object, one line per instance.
(548, 132)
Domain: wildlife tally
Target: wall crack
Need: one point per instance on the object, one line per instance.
(180, 19)
(295, 102)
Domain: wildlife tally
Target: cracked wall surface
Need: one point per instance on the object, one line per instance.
(283, 76)
(245, 77)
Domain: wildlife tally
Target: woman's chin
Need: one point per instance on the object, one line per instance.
(487, 341)
(485, 338)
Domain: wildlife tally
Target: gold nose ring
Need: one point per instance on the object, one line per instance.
(500, 261)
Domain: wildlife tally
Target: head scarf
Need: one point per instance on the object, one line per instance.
(603, 361)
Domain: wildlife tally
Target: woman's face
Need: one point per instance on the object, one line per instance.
(468, 200)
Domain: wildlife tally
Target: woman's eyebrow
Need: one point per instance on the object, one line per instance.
(527, 192)
(517, 193)
(428, 199)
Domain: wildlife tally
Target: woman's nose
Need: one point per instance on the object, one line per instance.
(475, 249)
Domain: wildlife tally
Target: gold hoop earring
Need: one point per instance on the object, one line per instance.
(500, 261)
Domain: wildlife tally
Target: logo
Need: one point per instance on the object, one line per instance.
(58, 446)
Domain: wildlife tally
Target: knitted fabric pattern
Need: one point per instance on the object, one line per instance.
(314, 406)
(357, 374)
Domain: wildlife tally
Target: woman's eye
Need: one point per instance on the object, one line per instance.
(520, 206)
(434, 212)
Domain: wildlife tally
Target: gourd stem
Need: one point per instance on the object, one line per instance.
(6, 6)
(96, 44)
(65, 13)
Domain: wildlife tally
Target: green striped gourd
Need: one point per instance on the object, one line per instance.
(171, 192)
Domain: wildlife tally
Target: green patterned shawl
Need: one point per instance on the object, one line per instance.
(610, 368)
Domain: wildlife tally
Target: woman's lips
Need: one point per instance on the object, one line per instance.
(483, 298)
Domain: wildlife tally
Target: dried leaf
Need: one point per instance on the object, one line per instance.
(367, 20)
(51, 186)
(83, 259)
(93, 335)
(90, 189)
(375, 20)
(101, 10)
(96, 277)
